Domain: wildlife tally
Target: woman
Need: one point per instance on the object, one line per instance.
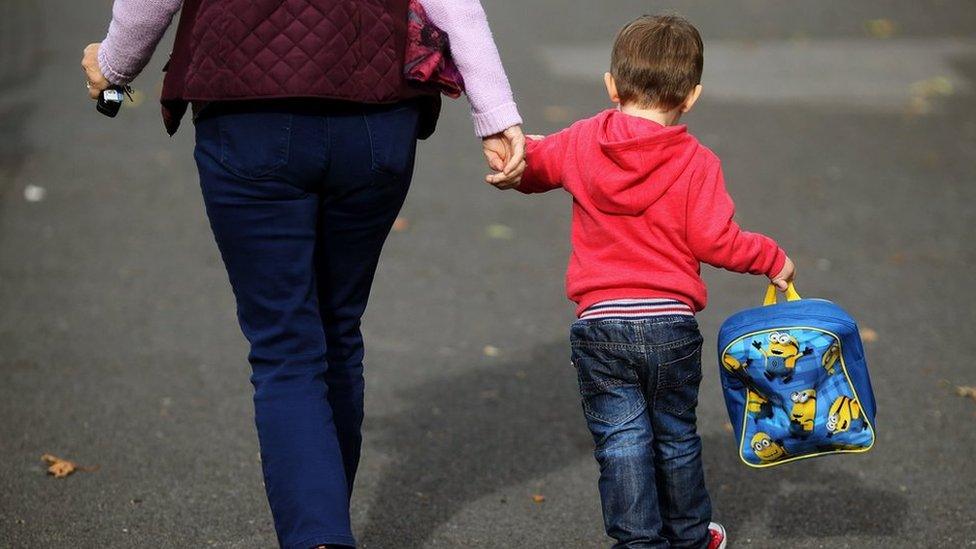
(306, 137)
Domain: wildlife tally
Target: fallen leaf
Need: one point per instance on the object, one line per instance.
(400, 224)
(966, 391)
(880, 28)
(727, 426)
(500, 232)
(34, 193)
(61, 468)
(538, 498)
(868, 335)
(490, 350)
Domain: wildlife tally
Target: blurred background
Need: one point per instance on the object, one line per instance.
(847, 131)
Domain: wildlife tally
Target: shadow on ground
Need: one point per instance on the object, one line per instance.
(803, 500)
(466, 436)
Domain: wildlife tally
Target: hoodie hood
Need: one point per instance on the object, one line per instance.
(640, 160)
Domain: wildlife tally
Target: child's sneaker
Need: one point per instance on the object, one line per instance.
(716, 536)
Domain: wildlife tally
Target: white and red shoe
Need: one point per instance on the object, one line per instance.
(716, 536)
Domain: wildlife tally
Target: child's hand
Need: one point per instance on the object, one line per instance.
(505, 153)
(785, 276)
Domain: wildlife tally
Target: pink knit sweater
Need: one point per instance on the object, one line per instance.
(138, 25)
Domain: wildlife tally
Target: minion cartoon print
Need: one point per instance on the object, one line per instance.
(758, 406)
(781, 356)
(803, 414)
(844, 414)
(790, 395)
(830, 358)
(767, 449)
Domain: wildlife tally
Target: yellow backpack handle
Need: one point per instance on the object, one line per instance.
(791, 294)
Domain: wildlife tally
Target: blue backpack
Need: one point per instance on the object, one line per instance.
(795, 381)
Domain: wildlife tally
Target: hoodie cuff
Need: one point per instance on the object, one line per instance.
(110, 74)
(779, 260)
(496, 120)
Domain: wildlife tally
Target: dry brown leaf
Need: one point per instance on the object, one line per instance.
(401, 224)
(966, 391)
(61, 468)
(538, 498)
(868, 335)
(727, 426)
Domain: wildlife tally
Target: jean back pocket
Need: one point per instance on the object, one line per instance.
(393, 138)
(254, 145)
(678, 379)
(610, 388)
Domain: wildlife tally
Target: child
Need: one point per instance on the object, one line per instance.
(649, 205)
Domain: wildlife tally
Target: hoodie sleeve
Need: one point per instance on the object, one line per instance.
(137, 27)
(473, 49)
(544, 161)
(714, 236)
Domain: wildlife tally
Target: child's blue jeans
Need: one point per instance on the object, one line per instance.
(639, 382)
(301, 197)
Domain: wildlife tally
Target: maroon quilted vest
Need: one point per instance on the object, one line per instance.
(256, 49)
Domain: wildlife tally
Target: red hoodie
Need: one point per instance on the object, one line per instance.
(649, 204)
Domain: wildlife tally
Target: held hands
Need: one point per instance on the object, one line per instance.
(505, 153)
(785, 276)
(89, 63)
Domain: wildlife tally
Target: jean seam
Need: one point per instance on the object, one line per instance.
(696, 377)
(607, 345)
(606, 421)
(372, 146)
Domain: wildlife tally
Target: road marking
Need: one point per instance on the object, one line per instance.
(868, 74)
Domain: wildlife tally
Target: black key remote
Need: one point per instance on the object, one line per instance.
(110, 100)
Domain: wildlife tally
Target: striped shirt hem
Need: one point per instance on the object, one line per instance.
(635, 308)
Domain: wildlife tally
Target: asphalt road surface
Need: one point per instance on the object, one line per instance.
(847, 131)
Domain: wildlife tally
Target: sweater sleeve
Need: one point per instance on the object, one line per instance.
(492, 106)
(714, 236)
(137, 27)
(544, 161)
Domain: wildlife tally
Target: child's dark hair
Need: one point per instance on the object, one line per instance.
(657, 60)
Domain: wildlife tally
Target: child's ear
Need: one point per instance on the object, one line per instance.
(692, 98)
(611, 87)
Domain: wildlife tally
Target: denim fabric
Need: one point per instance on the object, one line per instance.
(639, 385)
(301, 198)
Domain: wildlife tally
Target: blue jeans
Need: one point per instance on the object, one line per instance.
(639, 384)
(301, 197)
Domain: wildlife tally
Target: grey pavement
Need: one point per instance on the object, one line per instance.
(119, 345)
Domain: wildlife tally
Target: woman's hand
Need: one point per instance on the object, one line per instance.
(89, 63)
(505, 153)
